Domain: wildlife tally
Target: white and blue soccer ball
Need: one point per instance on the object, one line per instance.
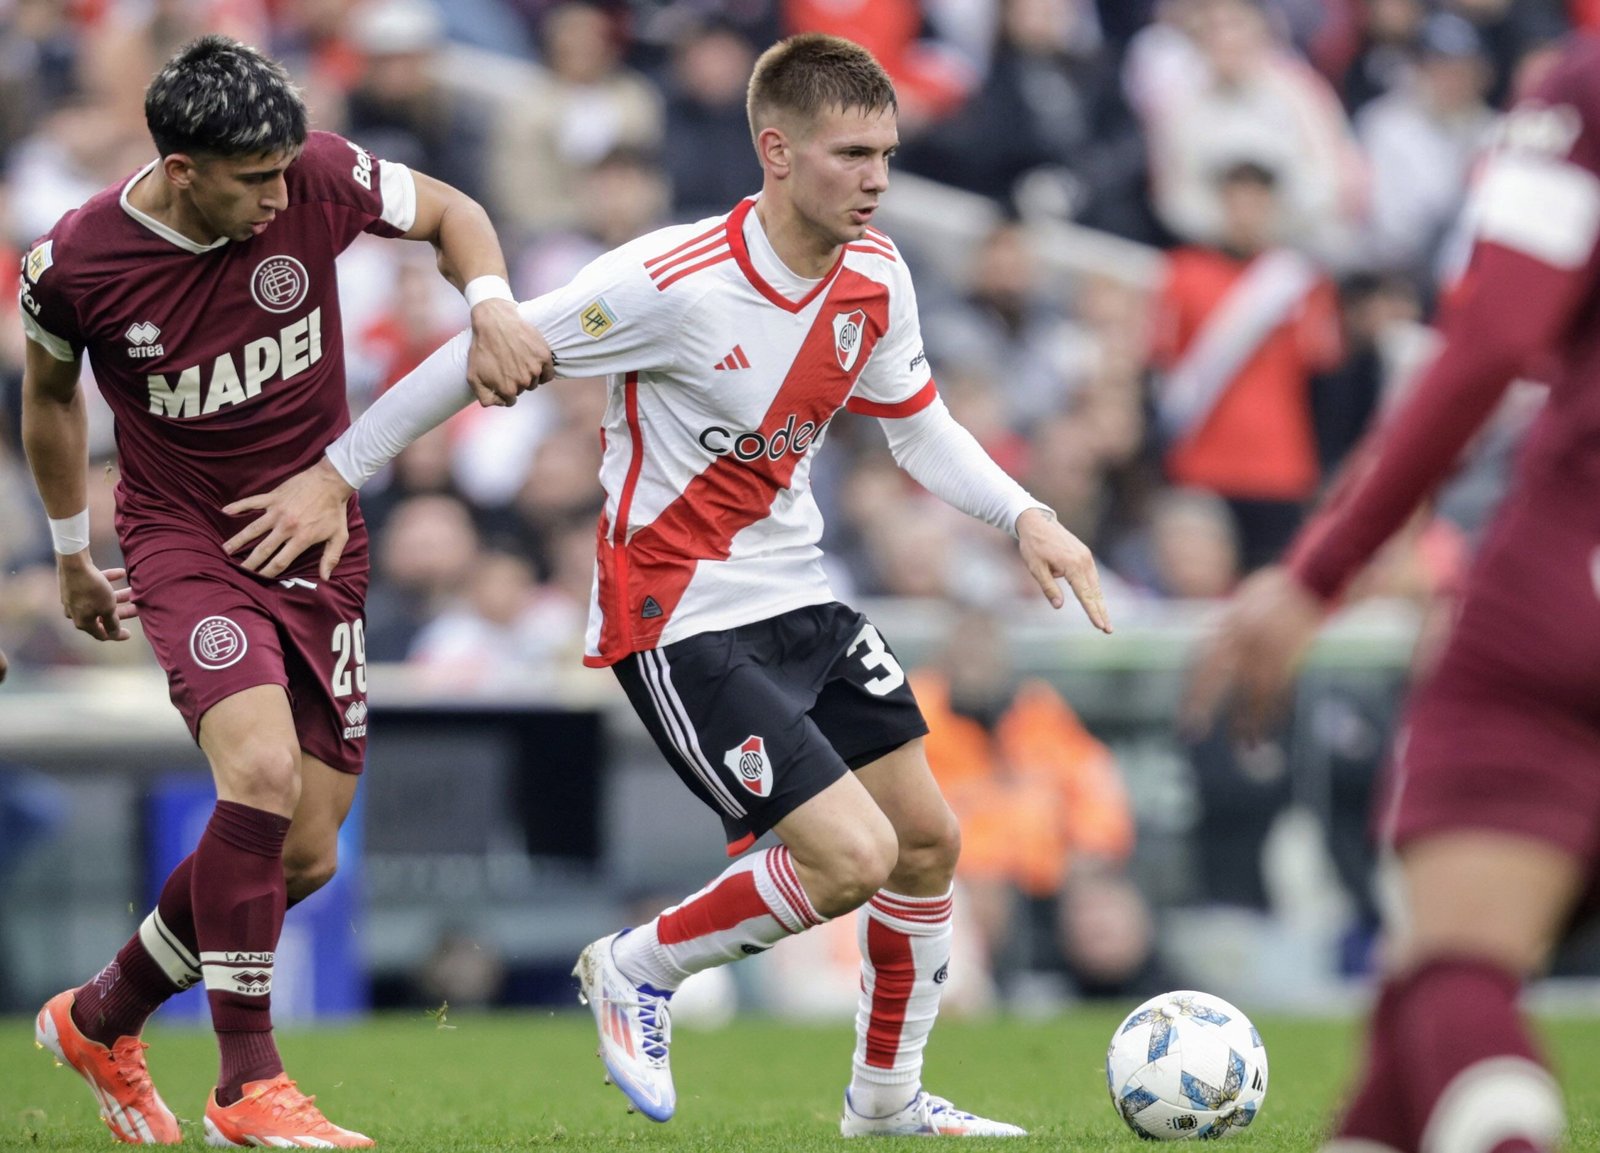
(1186, 1065)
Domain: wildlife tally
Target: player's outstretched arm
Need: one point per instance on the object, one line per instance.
(311, 507)
(55, 434)
(1053, 554)
(1512, 307)
(508, 356)
(948, 461)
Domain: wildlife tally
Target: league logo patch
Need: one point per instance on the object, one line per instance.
(748, 761)
(217, 642)
(280, 284)
(38, 260)
(597, 319)
(847, 332)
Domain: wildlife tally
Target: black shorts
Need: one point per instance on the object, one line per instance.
(759, 719)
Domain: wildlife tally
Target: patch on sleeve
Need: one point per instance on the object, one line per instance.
(1546, 208)
(597, 319)
(38, 260)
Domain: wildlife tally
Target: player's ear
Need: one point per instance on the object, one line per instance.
(179, 168)
(775, 151)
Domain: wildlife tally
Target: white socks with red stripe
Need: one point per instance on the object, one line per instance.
(905, 958)
(753, 905)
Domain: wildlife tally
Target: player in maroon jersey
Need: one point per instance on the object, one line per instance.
(1493, 799)
(203, 291)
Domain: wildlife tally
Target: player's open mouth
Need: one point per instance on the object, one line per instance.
(260, 226)
(862, 215)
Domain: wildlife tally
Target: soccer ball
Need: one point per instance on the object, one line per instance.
(1186, 1065)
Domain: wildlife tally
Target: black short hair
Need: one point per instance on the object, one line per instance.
(812, 72)
(223, 97)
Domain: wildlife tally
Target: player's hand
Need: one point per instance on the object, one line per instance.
(508, 355)
(309, 508)
(90, 602)
(1250, 658)
(1051, 554)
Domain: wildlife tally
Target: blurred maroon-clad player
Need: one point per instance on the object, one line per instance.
(1493, 801)
(202, 289)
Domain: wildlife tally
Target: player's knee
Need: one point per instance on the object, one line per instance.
(857, 868)
(306, 871)
(263, 776)
(1506, 948)
(929, 849)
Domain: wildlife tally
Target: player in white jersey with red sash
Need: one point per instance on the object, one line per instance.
(729, 345)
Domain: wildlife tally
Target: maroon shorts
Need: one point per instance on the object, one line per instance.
(218, 630)
(1506, 733)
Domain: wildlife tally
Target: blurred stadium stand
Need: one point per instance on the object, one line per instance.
(1056, 152)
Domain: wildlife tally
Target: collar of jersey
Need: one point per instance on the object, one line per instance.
(171, 235)
(741, 256)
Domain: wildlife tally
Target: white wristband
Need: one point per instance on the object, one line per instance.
(70, 534)
(482, 288)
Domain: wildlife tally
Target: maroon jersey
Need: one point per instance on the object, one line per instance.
(1530, 303)
(223, 364)
(1505, 734)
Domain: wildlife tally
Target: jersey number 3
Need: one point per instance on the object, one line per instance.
(877, 657)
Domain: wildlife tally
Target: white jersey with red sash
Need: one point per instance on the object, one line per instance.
(724, 370)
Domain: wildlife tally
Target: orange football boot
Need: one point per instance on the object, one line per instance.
(275, 1113)
(117, 1076)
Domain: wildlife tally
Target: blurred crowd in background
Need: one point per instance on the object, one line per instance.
(1341, 132)
(1328, 145)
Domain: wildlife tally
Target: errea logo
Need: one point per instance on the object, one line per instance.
(355, 720)
(142, 338)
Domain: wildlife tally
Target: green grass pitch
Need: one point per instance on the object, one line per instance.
(531, 1081)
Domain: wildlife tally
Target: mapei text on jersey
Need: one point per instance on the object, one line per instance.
(237, 376)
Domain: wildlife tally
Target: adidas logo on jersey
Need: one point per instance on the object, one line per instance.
(651, 609)
(735, 359)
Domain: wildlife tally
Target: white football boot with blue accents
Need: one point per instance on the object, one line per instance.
(925, 1116)
(635, 1026)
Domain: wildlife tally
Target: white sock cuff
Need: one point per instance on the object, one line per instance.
(181, 966)
(229, 971)
(864, 1074)
(913, 916)
(786, 897)
(1495, 1100)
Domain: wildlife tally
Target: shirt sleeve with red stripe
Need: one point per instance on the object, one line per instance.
(896, 380)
